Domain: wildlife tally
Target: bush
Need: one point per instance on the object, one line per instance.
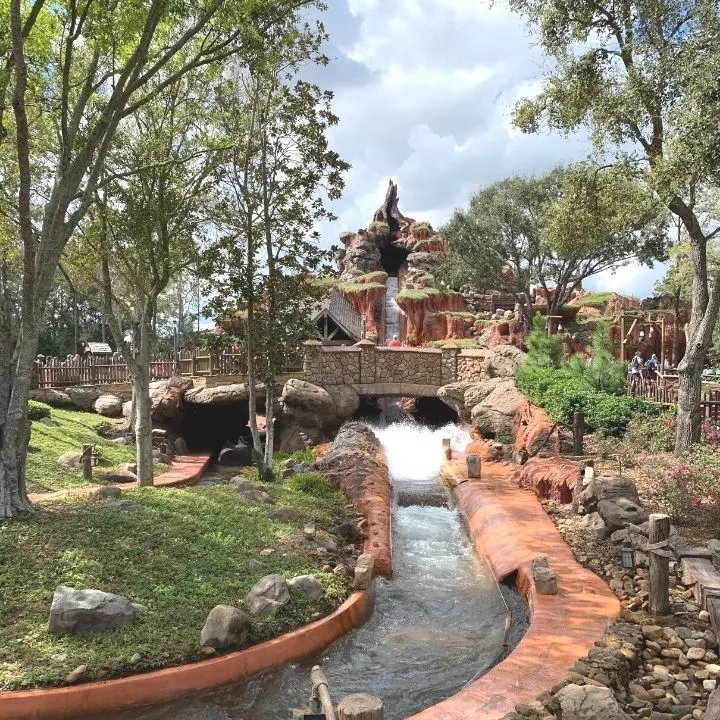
(38, 410)
(312, 484)
(653, 434)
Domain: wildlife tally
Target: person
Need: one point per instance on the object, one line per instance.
(636, 366)
(666, 365)
(652, 366)
(394, 342)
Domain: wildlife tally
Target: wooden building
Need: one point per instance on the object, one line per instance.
(337, 321)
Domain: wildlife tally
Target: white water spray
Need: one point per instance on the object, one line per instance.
(414, 452)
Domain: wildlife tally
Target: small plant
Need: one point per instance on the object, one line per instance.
(311, 483)
(38, 410)
(379, 228)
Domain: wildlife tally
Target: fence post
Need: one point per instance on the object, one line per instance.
(87, 461)
(659, 532)
(360, 706)
(578, 432)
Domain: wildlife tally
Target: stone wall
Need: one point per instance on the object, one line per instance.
(366, 364)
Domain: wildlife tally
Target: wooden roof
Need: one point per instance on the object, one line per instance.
(338, 309)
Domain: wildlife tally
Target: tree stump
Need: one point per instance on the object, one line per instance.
(578, 432)
(659, 532)
(360, 706)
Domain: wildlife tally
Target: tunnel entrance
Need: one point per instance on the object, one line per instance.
(210, 427)
(429, 411)
(392, 258)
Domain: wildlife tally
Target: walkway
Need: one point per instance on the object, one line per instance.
(510, 527)
(185, 470)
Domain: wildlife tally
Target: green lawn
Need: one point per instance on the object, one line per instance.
(178, 552)
(73, 429)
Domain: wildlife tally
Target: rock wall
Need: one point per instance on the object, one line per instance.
(356, 463)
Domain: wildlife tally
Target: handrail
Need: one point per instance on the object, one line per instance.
(321, 693)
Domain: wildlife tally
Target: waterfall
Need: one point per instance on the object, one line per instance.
(392, 310)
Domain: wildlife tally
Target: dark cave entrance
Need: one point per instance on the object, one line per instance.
(209, 427)
(392, 258)
(430, 411)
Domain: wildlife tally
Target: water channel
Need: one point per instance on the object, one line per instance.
(437, 624)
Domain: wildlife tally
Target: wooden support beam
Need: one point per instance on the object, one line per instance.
(578, 432)
(321, 692)
(659, 532)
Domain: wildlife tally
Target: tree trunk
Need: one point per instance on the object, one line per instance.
(676, 327)
(141, 393)
(269, 424)
(688, 411)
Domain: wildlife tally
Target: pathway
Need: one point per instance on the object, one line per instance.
(510, 527)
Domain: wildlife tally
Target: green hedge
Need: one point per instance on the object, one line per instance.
(37, 410)
(561, 393)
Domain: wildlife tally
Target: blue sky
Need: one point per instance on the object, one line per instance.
(424, 90)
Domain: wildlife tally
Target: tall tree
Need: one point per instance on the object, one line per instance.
(642, 76)
(554, 231)
(274, 187)
(88, 65)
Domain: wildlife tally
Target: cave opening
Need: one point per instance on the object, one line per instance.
(429, 411)
(392, 258)
(208, 428)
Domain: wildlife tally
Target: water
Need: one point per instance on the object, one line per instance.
(436, 625)
(392, 309)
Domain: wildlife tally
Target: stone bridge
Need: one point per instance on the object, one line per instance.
(382, 371)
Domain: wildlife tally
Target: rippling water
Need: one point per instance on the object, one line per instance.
(438, 623)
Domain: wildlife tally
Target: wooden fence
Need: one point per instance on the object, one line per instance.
(90, 370)
(666, 393)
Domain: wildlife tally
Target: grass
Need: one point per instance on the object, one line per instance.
(73, 429)
(178, 553)
(360, 287)
(593, 299)
(465, 343)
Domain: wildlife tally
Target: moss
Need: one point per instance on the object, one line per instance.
(379, 276)
(422, 226)
(356, 287)
(325, 283)
(461, 315)
(463, 343)
(379, 228)
(409, 294)
(177, 552)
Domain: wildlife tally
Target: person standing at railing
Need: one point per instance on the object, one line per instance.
(652, 366)
(636, 368)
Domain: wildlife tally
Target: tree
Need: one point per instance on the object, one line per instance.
(274, 185)
(554, 231)
(147, 225)
(88, 65)
(642, 76)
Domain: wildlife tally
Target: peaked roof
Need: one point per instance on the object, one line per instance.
(98, 348)
(337, 307)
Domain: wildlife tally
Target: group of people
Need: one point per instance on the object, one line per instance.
(642, 372)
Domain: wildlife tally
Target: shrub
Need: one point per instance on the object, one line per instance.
(312, 484)
(652, 434)
(38, 410)
(690, 490)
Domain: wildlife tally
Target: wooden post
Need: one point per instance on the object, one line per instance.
(360, 706)
(578, 432)
(321, 692)
(659, 532)
(87, 461)
(622, 338)
(662, 345)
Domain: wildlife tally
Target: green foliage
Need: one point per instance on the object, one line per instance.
(379, 228)
(314, 484)
(38, 410)
(593, 299)
(543, 350)
(200, 547)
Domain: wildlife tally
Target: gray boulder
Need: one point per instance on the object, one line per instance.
(225, 627)
(503, 361)
(107, 492)
(285, 515)
(604, 487)
(589, 702)
(596, 525)
(364, 571)
(453, 395)
(127, 409)
(221, 395)
(713, 706)
(496, 414)
(309, 585)
(71, 460)
(619, 512)
(167, 398)
(239, 455)
(52, 397)
(108, 405)
(88, 611)
(251, 491)
(308, 402)
(267, 596)
(83, 396)
(117, 476)
(346, 400)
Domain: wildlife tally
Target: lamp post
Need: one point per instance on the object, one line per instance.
(627, 556)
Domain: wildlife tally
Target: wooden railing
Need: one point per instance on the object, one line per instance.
(666, 393)
(89, 370)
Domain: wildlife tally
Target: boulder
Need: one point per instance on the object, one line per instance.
(108, 405)
(166, 398)
(364, 571)
(107, 492)
(552, 478)
(239, 455)
(83, 396)
(596, 525)
(267, 596)
(251, 491)
(479, 391)
(346, 400)
(589, 702)
(534, 430)
(71, 460)
(713, 707)
(308, 402)
(619, 512)
(225, 627)
(503, 361)
(127, 409)
(453, 395)
(308, 585)
(88, 611)
(285, 515)
(111, 477)
(220, 395)
(604, 487)
(495, 415)
(51, 396)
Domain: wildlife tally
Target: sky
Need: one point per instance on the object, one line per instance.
(424, 90)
